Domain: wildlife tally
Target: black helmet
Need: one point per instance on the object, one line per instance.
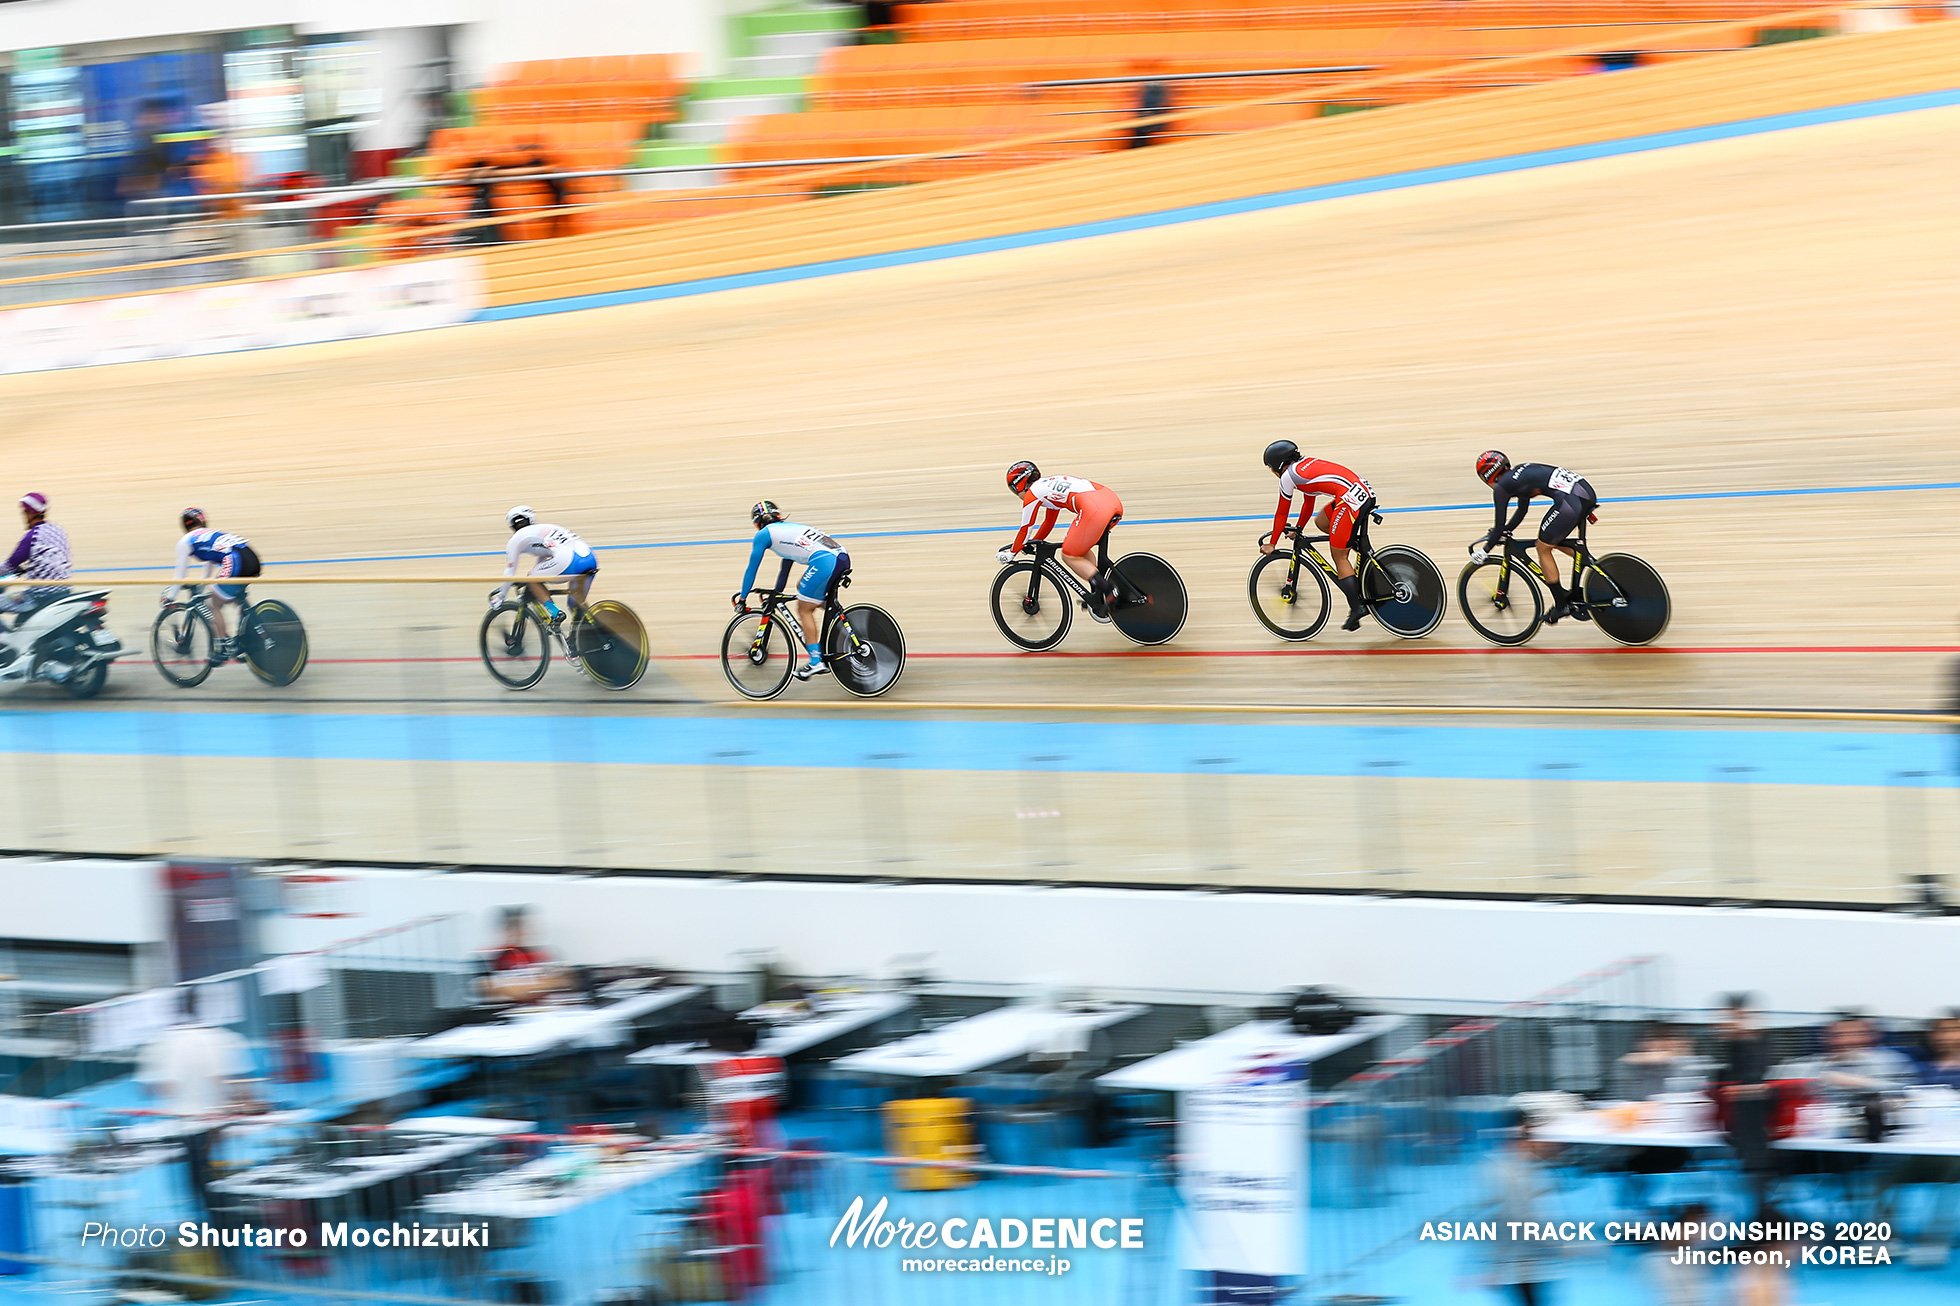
(1021, 475)
(1280, 455)
(764, 513)
(192, 518)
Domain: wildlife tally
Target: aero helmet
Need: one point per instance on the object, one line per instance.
(35, 503)
(521, 516)
(1280, 455)
(1021, 475)
(1490, 465)
(192, 518)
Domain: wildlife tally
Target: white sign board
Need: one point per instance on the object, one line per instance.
(341, 305)
(1245, 1177)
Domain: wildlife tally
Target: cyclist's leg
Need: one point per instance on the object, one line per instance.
(1098, 512)
(1559, 522)
(563, 563)
(810, 593)
(1341, 519)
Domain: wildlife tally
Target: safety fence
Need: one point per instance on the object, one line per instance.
(982, 139)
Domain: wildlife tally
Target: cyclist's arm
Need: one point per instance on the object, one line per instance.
(512, 553)
(1499, 526)
(756, 550)
(782, 577)
(1279, 515)
(1028, 512)
(183, 564)
(20, 555)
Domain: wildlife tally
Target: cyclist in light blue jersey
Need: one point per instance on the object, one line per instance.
(825, 563)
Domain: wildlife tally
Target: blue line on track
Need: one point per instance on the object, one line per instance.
(1283, 748)
(1007, 528)
(1248, 204)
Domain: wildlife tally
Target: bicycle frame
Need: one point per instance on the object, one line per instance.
(1582, 563)
(777, 606)
(1364, 554)
(1044, 552)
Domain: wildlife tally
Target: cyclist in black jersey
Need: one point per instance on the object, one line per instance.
(1572, 499)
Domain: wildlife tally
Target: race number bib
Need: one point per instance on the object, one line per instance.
(1358, 494)
(1563, 481)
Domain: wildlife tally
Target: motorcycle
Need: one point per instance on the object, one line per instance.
(62, 642)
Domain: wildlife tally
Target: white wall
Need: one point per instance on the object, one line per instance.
(81, 901)
(42, 23)
(493, 31)
(1244, 943)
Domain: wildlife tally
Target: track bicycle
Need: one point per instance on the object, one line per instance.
(763, 646)
(270, 639)
(1034, 602)
(1622, 595)
(1292, 592)
(605, 640)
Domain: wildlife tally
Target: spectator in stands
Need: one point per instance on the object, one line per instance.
(1742, 1085)
(1855, 1063)
(1944, 1068)
(1665, 1052)
(197, 1073)
(519, 970)
(535, 163)
(1153, 97)
(149, 160)
(481, 177)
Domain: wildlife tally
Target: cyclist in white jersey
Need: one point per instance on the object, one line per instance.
(557, 552)
(824, 561)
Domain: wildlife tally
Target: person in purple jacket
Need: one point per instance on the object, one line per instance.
(41, 555)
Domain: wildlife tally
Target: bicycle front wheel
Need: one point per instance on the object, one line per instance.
(181, 644)
(1501, 602)
(1630, 602)
(610, 642)
(1030, 606)
(1150, 604)
(1408, 591)
(759, 654)
(274, 642)
(515, 645)
(867, 650)
(1292, 608)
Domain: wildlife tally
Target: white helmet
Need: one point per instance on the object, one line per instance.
(520, 517)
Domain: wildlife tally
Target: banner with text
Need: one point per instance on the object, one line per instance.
(1245, 1184)
(220, 319)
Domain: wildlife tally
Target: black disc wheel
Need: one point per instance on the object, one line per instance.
(610, 642)
(515, 645)
(866, 650)
(1500, 600)
(1150, 605)
(1030, 606)
(182, 643)
(274, 642)
(1630, 601)
(1408, 592)
(1292, 604)
(759, 653)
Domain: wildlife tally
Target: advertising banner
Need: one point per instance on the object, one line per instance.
(344, 305)
(1245, 1185)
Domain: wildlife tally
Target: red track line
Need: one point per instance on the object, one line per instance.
(1288, 652)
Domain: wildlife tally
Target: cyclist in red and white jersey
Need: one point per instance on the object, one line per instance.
(1349, 500)
(1096, 510)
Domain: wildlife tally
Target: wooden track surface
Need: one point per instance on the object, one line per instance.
(1769, 312)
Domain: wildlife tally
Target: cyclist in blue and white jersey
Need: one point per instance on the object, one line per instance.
(224, 556)
(41, 555)
(558, 553)
(825, 562)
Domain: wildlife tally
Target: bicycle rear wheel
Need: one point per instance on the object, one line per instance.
(759, 654)
(1291, 609)
(1648, 606)
(1150, 605)
(610, 642)
(181, 644)
(1413, 598)
(274, 642)
(1030, 606)
(867, 650)
(515, 645)
(1504, 607)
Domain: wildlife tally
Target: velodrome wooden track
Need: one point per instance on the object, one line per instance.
(1770, 313)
